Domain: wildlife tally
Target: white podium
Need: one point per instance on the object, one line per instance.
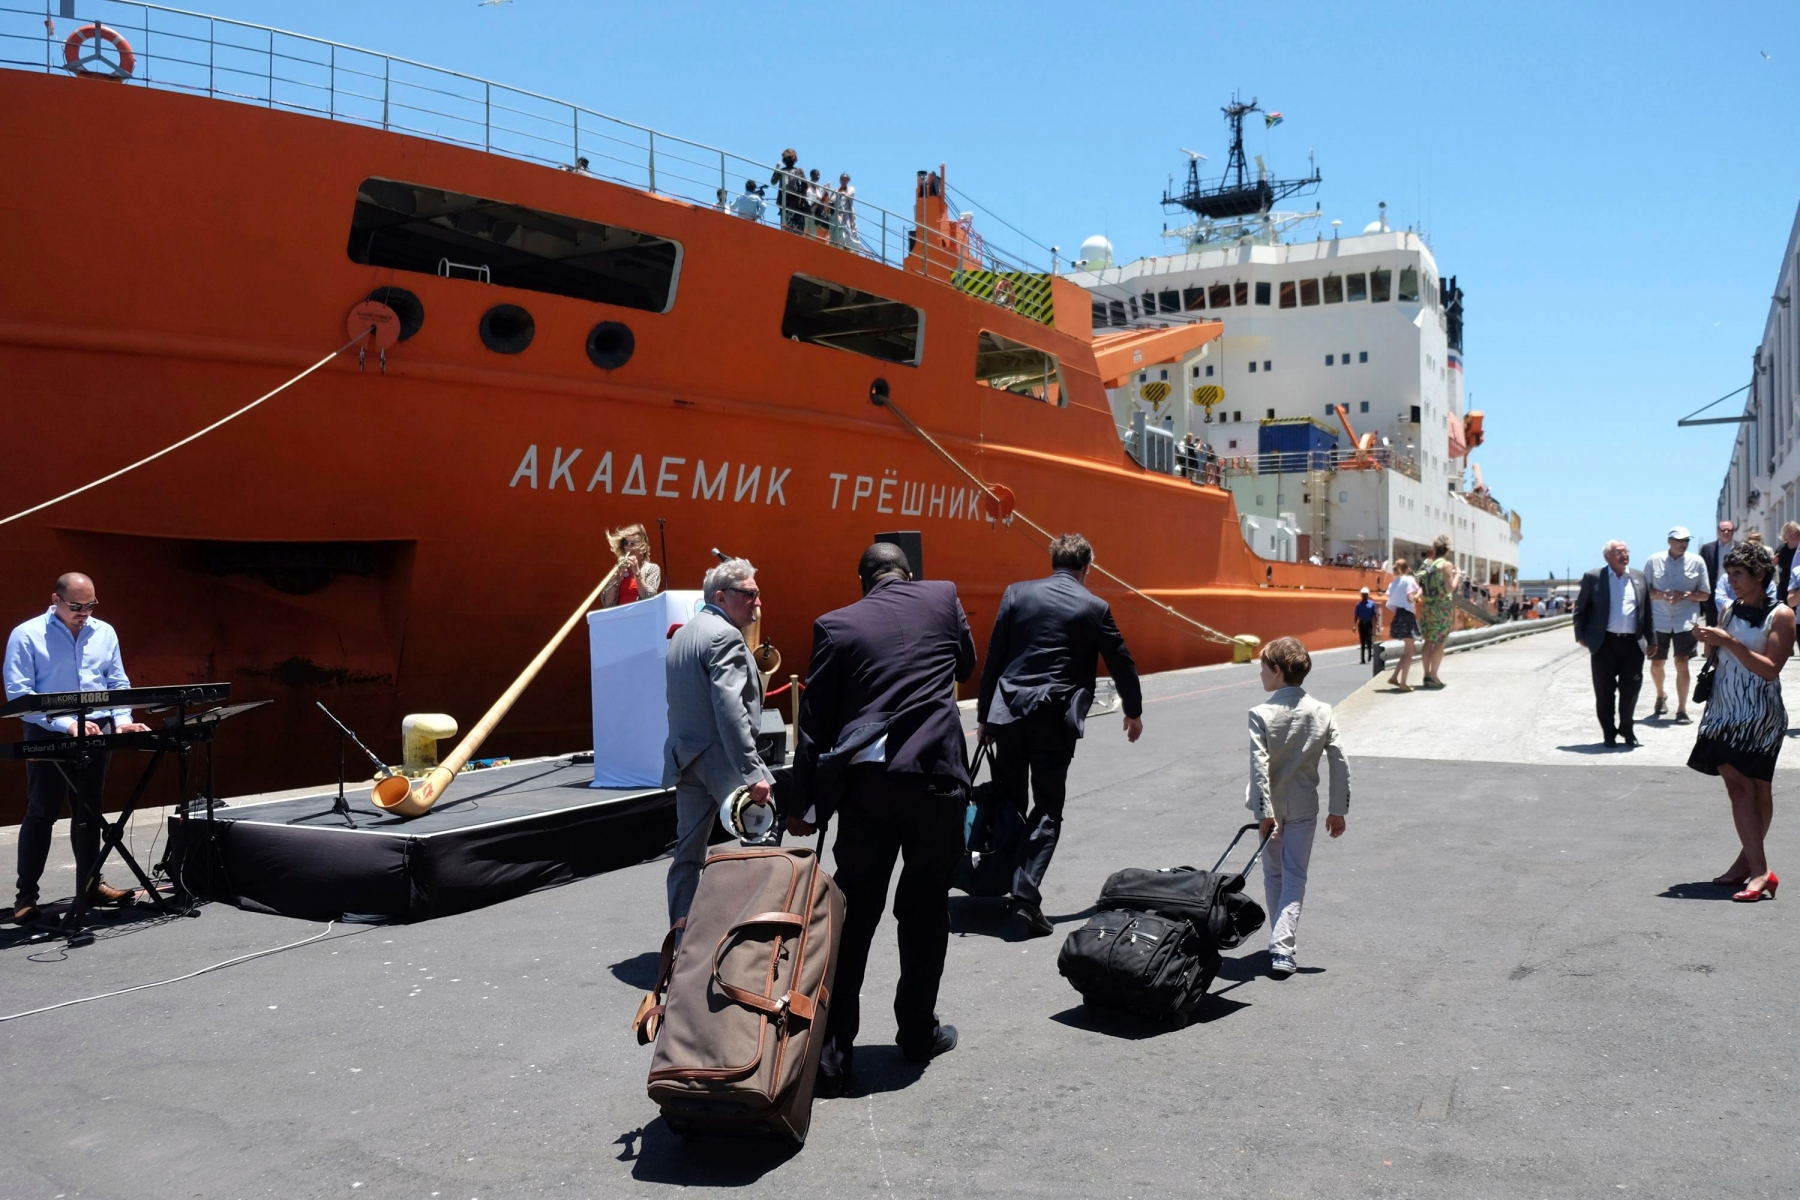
(626, 649)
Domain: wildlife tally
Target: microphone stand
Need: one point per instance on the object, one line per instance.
(341, 805)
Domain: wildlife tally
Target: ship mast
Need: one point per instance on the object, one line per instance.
(1235, 207)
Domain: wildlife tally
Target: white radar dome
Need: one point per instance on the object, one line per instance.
(1372, 227)
(1096, 253)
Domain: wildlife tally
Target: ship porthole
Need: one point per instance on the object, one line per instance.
(406, 306)
(507, 329)
(610, 345)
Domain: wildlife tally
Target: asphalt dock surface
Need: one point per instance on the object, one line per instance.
(1514, 983)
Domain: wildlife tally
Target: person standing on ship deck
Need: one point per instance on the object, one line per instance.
(1745, 723)
(843, 215)
(1677, 582)
(67, 649)
(715, 709)
(791, 191)
(1612, 615)
(751, 204)
(1036, 687)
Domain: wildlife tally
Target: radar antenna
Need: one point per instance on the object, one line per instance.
(1233, 194)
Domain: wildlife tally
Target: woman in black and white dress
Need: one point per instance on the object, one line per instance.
(1745, 723)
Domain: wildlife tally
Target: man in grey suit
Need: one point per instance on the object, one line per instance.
(715, 709)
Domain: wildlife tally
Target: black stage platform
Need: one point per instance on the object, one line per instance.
(498, 833)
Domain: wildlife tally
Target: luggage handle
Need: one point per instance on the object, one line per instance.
(777, 1007)
(1242, 830)
(650, 1008)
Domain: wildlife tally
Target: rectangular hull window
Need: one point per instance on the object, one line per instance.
(410, 227)
(1015, 367)
(840, 316)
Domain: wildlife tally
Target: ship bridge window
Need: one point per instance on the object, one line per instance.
(1379, 284)
(1309, 292)
(1219, 295)
(1356, 286)
(1115, 311)
(410, 227)
(1262, 293)
(840, 316)
(1169, 301)
(1241, 291)
(1409, 284)
(1193, 298)
(1287, 294)
(1022, 370)
(1430, 292)
(1334, 289)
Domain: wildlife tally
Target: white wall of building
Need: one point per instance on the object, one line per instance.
(1762, 481)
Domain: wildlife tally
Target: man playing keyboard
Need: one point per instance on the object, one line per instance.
(65, 650)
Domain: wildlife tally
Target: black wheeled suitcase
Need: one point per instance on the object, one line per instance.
(1153, 946)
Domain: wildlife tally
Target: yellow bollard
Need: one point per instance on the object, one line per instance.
(1244, 647)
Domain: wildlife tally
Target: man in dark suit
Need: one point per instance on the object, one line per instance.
(881, 746)
(1612, 618)
(1036, 687)
(1712, 554)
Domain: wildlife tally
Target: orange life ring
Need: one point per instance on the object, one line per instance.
(77, 62)
(1003, 293)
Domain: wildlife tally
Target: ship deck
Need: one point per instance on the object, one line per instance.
(1507, 990)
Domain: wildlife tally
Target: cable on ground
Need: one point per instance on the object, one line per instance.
(230, 962)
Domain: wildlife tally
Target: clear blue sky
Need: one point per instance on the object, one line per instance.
(1612, 183)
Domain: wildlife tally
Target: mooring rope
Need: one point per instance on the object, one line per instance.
(1206, 631)
(86, 487)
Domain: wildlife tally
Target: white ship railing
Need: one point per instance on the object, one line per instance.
(181, 51)
(1300, 461)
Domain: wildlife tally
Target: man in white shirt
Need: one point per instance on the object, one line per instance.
(1612, 615)
(1677, 582)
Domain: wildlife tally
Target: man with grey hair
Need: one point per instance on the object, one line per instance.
(715, 710)
(1612, 618)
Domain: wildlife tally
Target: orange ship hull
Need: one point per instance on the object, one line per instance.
(406, 540)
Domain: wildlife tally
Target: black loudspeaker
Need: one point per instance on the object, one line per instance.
(912, 544)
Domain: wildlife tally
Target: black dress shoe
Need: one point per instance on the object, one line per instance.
(942, 1042)
(1611, 741)
(830, 1087)
(1631, 740)
(1036, 923)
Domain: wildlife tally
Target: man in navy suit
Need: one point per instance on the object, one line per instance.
(881, 747)
(1036, 687)
(1612, 618)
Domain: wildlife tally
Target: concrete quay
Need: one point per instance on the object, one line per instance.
(1513, 984)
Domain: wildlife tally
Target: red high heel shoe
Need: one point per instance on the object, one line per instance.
(1765, 892)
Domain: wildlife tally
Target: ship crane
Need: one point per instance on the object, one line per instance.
(1362, 447)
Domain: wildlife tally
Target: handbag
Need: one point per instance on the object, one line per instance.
(1703, 682)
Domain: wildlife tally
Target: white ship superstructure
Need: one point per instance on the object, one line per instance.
(1366, 322)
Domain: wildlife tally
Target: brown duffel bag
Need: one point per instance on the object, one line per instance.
(739, 1033)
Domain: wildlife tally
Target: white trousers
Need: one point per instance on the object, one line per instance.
(1284, 881)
